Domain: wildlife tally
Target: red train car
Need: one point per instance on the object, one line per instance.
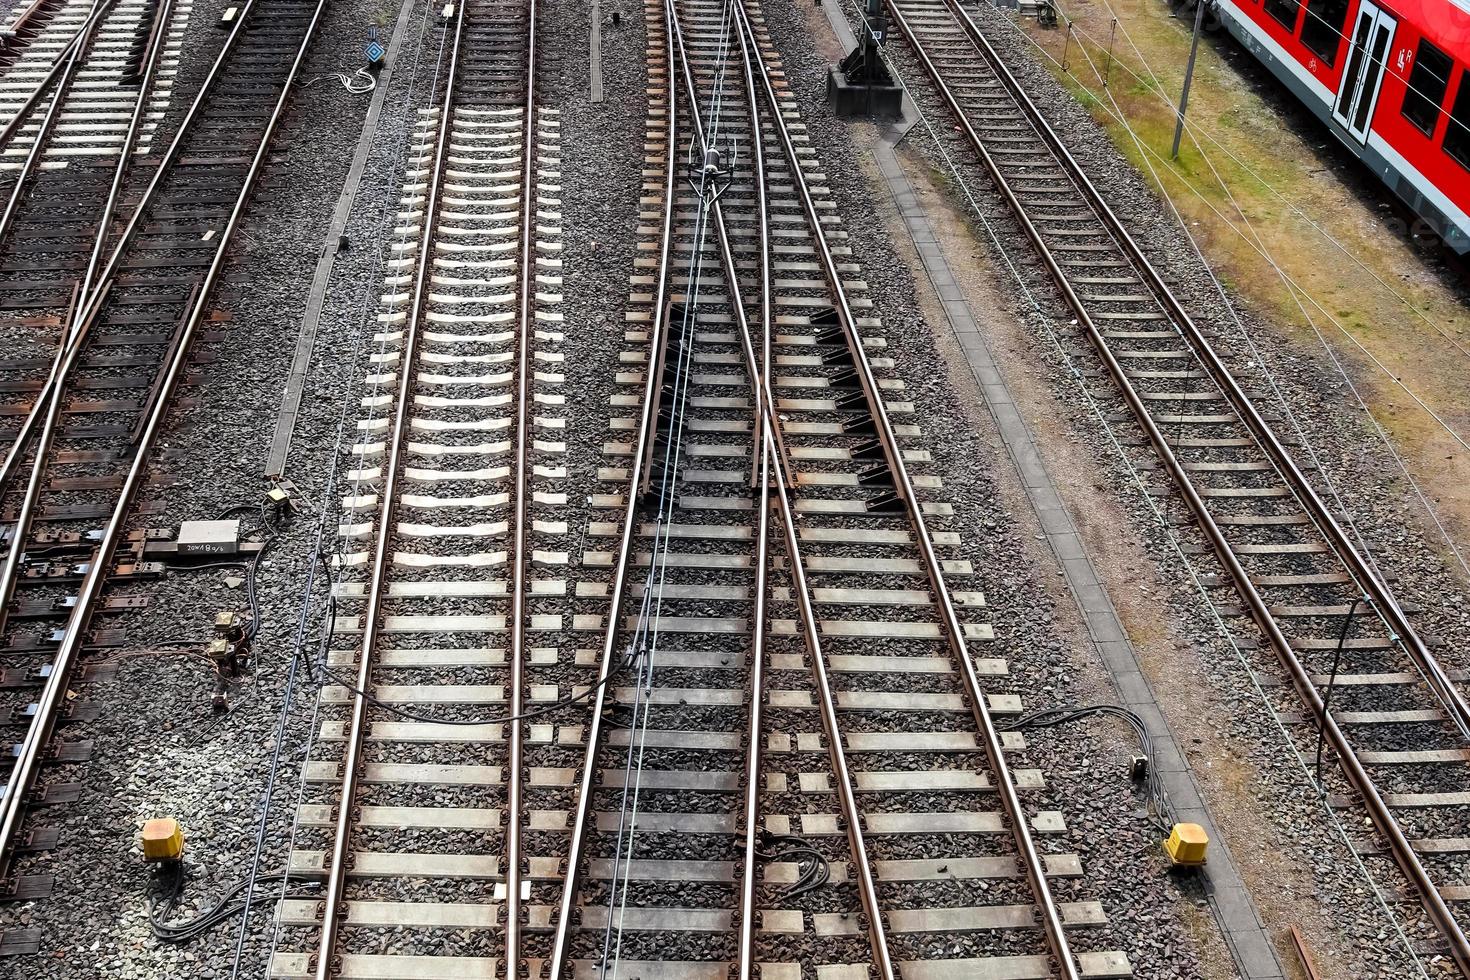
(1389, 78)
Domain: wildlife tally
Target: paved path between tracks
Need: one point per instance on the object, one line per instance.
(1249, 943)
(291, 397)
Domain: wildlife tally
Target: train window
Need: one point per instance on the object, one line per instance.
(1457, 136)
(1428, 81)
(1284, 11)
(1323, 28)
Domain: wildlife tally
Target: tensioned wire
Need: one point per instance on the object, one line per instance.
(1173, 541)
(1297, 292)
(646, 634)
(1193, 127)
(1245, 335)
(1198, 131)
(1294, 289)
(1285, 405)
(304, 621)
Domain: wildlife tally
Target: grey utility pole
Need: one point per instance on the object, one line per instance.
(1199, 17)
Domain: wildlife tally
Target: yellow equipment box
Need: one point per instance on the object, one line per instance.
(1186, 844)
(163, 840)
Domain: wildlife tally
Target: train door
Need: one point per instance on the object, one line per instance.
(1371, 42)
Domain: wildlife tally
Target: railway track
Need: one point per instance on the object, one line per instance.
(34, 36)
(450, 540)
(876, 755)
(1394, 717)
(67, 136)
(731, 783)
(90, 409)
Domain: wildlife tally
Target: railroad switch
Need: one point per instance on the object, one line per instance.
(163, 841)
(1186, 845)
(860, 84)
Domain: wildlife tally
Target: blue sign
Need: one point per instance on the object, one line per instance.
(374, 52)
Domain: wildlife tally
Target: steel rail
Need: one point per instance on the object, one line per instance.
(7, 133)
(761, 433)
(761, 466)
(71, 60)
(54, 691)
(1384, 601)
(1382, 817)
(561, 944)
(31, 500)
(22, 23)
(336, 868)
(1029, 856)
(85, 312)
(66, 351)
(135, 125)
(515, 788)
(773, 455)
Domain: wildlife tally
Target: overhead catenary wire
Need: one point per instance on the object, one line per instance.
(1404, 853)
(1197, 131)
(1297, 292)
(1392, 377)
(1403, 633)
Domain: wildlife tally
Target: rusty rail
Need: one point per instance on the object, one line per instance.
(53, 693)
(1378, 810)
(336, 866)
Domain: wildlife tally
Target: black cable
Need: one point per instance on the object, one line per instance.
(812, 876)
(630, 657)
(162, 906)
(1158, 800)
(236, 509)
(524, 716)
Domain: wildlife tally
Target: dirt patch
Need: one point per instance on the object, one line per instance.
(1264, 175)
